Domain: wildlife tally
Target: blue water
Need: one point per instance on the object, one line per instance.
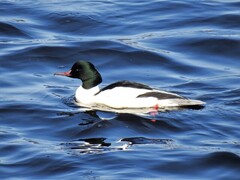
(188, 47)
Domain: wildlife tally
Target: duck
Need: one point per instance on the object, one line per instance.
(122, 94)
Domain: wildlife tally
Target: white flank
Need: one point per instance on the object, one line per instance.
(126, 97)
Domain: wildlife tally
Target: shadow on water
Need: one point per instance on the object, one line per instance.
(104, 131)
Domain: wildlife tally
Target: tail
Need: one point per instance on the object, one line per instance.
(181, 103)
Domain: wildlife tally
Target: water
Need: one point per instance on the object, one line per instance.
(188, 47)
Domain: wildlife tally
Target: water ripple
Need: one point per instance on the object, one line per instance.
(187, 47)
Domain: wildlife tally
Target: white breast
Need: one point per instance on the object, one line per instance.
(86, 96)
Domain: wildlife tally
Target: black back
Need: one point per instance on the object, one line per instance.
(126, 84)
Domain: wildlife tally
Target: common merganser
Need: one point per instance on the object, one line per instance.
(122, 94)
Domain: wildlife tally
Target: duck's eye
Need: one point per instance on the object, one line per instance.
(77, 70)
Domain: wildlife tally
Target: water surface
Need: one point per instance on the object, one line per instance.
(188, 47)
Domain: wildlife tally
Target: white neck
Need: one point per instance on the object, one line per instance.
(86, 96)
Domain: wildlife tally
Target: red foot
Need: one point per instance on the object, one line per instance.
(153, 120)
(155, 110)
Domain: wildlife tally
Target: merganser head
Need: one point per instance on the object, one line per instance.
(85, 71)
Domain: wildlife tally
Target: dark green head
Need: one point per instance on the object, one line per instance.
(85, 71)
